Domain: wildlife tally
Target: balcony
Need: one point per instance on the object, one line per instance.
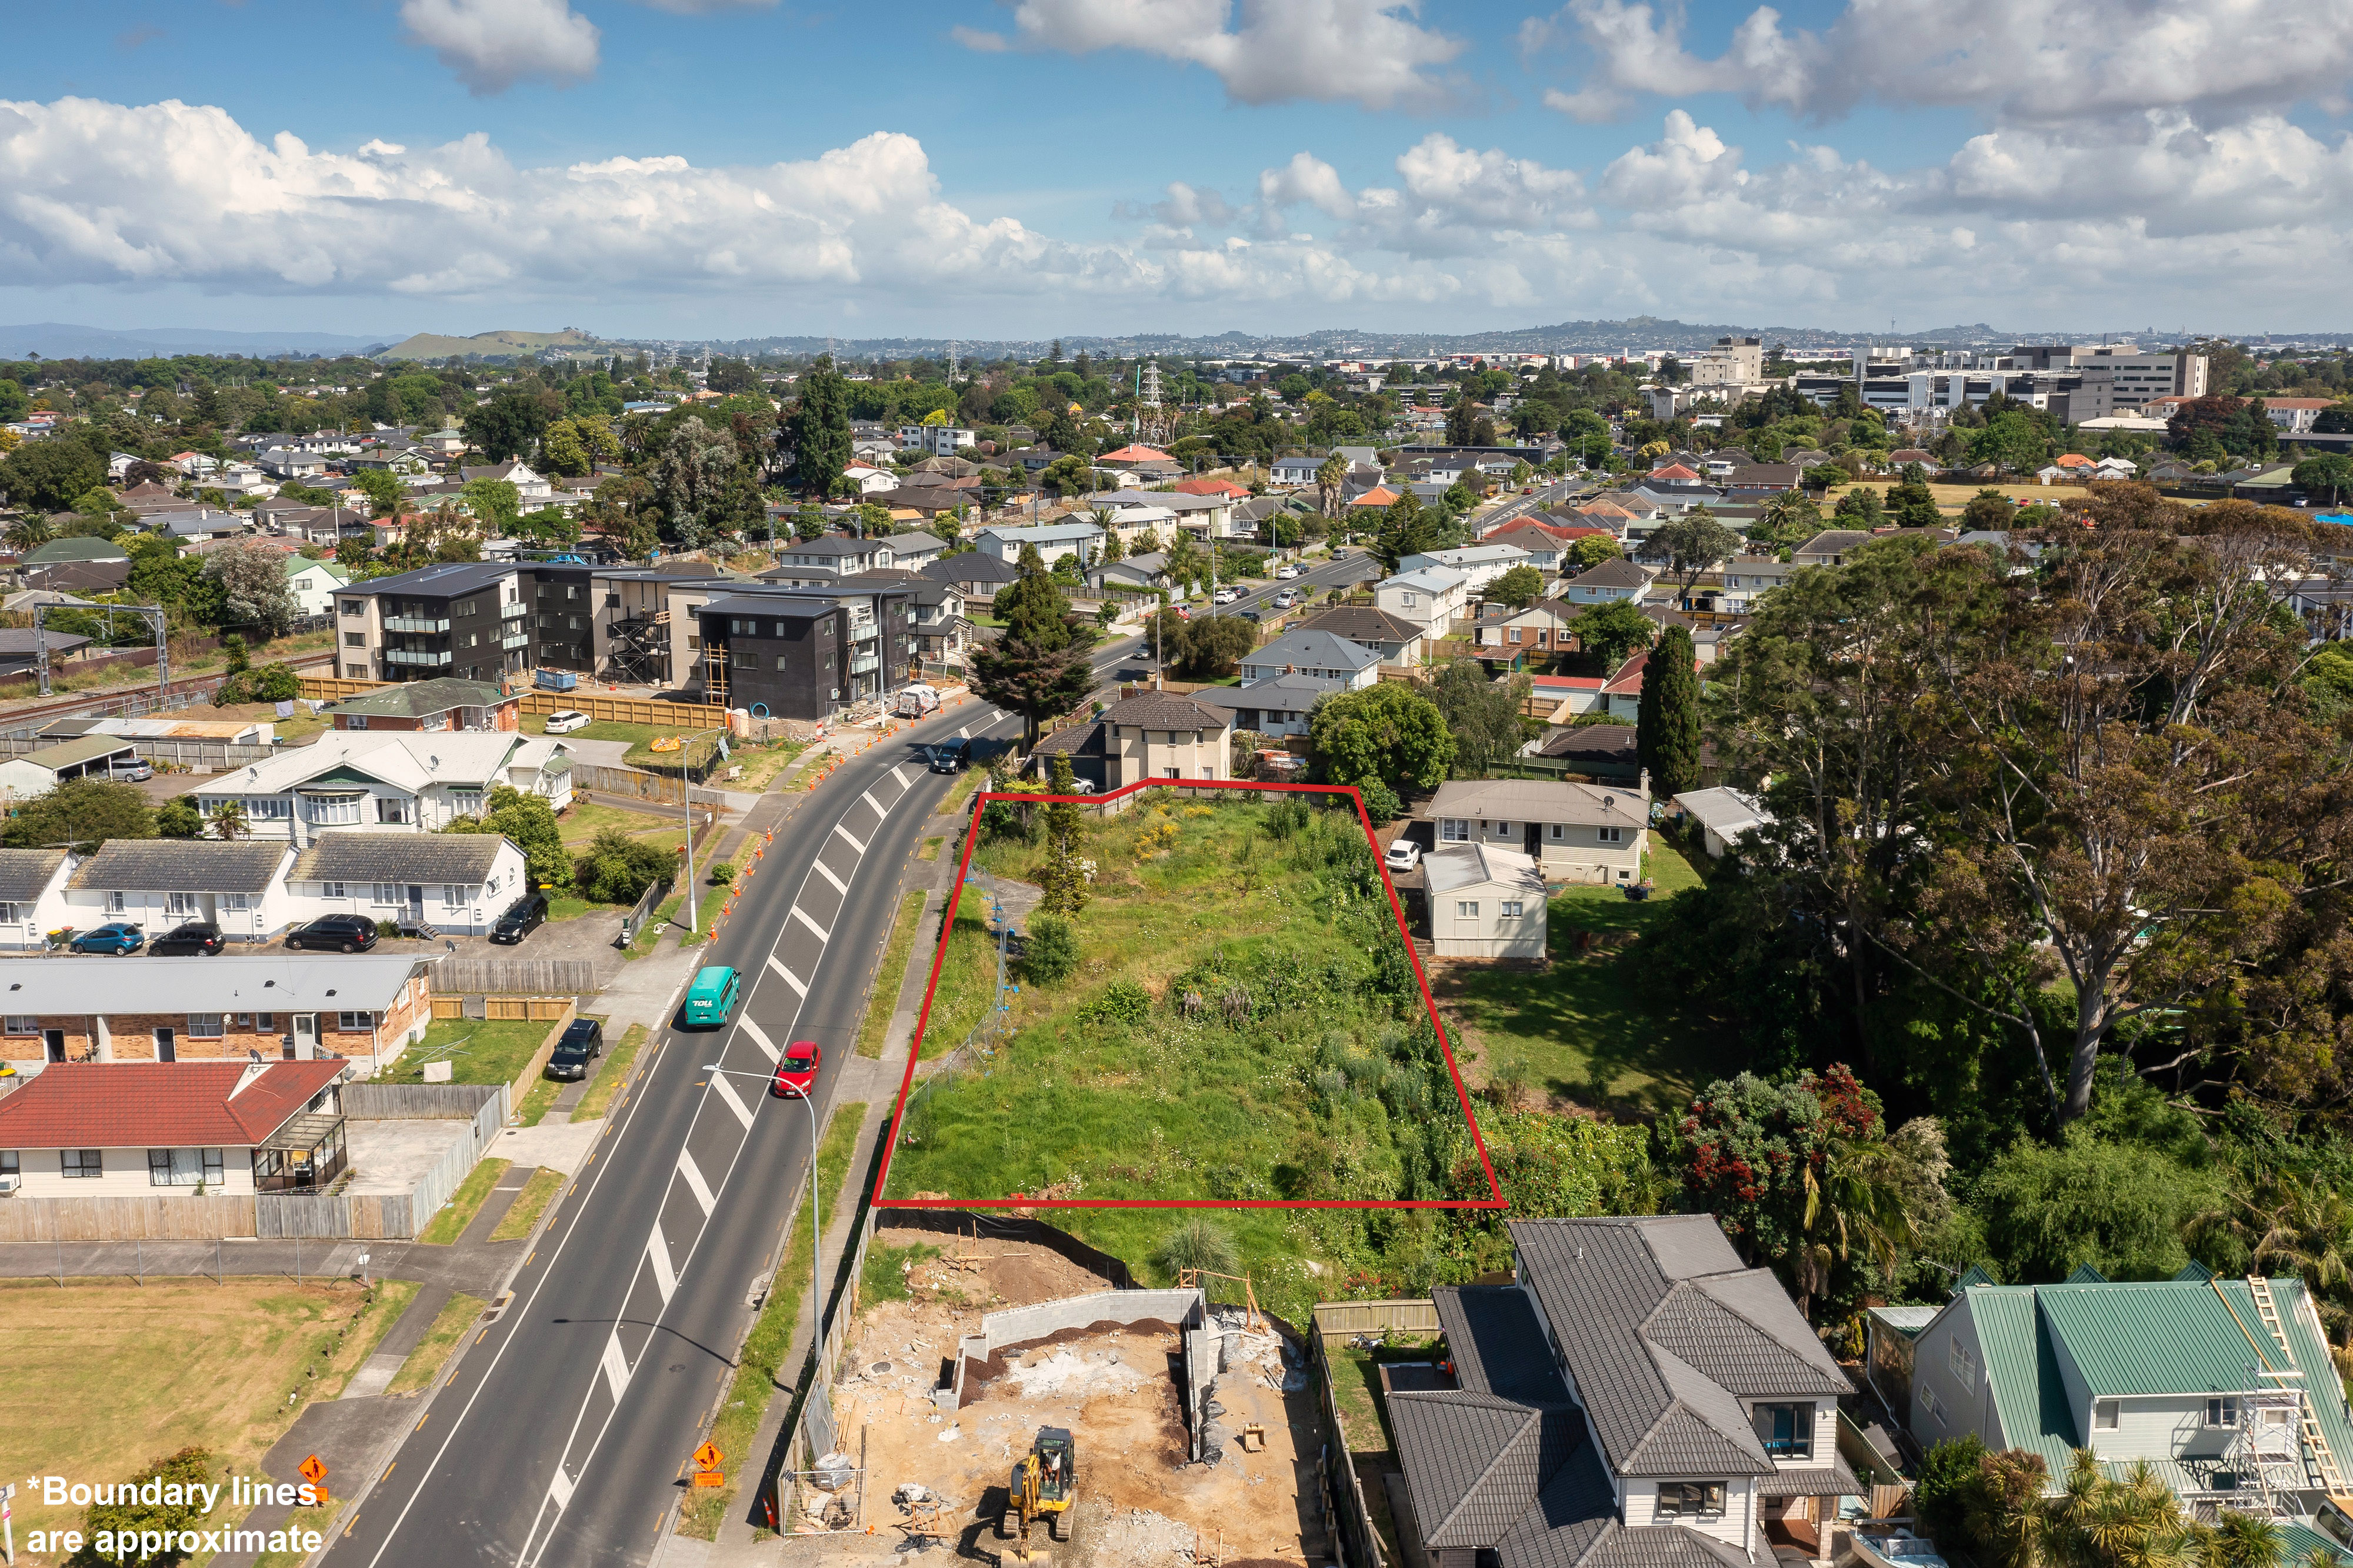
(516, 639)
(508, 612)
(865, 664)
(415, 623)
(416, 655)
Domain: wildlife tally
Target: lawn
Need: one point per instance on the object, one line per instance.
(706, 908)
(1951, 498)
(611, 1075)
(882, 996)
(760, 1371)
(761, 765)
(1322, 1082)
(464, 1203)
(583, 823)
(595, 730)
(433, 1351)
(536, 1195)
(1587, 1028)
(478, 1050)
(103, 1378)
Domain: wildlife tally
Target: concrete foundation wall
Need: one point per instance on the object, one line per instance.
(1021, 1325)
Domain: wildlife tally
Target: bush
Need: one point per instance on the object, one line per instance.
(722, 873)
(179, 818)
(387, 928)
(1123, 1002)
(188, 1468)
(1198, 1243)
(617, 869)
(1947, 1490)
(1051, 953)
(1381, 803)
(276, 683)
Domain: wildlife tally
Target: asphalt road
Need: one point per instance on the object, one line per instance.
(563, 1435)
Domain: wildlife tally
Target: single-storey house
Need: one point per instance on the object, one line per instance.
(440, 882)
(366, 1006)
(443, 703)
(417, 783)
(1616, 578)
(1577, 832)
(1395, 639)
(1278, 705)
(136, 1130)
(157, 883)
(1484, 902)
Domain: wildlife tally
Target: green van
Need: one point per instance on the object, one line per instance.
(711, 1000)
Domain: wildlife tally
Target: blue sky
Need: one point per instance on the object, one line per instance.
(728, 167)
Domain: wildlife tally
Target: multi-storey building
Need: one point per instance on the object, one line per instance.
(468, 619)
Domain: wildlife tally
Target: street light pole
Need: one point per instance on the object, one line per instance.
(686, 789)
(816, 1285)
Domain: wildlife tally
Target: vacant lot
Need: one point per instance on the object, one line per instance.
(103, 1378)
(1951, 498)
(478, 1050)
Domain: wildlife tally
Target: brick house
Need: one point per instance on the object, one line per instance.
(442, 703)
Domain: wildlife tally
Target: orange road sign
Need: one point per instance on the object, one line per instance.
(311, 1470)
(708, 1479)
(707, 1458)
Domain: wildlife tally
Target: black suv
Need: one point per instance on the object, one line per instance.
(345, 934)
(583, 1042)
(949, 756)
(522, 916)
(199, 937)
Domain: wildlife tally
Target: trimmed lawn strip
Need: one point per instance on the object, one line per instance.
(321, 1519)
(536, 1194)
(610, 1077)
(536, 1099)
(478, 1050)
(433, 1351)
(583, 823)
(930, 849)
(959, 796)
(756, 1379)
(883, 998)
(464, 1203)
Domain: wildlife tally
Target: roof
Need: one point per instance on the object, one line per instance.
(914, 543)
(225, 983)
(1071, 739)
(16, 642)
(1615, 573)
(1166, 710)
(1672, 472)
(1361, 623)
(1726, 812)
(360, 855)
(1429, 580)
(76, 547)
(1042, 533)
(836, 544)
(1379, 495)
(73, 753)
(451, 579)
(1291, 693)
(1134, 454)
(113, 1105)
(1539, 800)
(971, 566)
(1311, 647)
(1211, 487)
(24, 872)
(179, 864)
(404, 759)
(1452, 867)
(1833, 541)
(423, 698)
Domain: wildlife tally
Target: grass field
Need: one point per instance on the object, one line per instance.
(883, 998)
(1588, 1030)
(464, 1203)
(583, 823)
(595, 730)
(611, 1075)
(433, 1351)
(1951, 498)
(483, 1051)
(536, 1195)
(1323, 1082)
(760, 1368)
(103, 1378)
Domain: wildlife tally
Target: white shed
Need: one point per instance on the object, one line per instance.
(1484, 902)
(1724, 817)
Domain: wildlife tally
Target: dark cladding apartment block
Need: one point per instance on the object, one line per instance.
(804, 653)
(469, 620)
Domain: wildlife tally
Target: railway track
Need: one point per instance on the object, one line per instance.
(137, 700)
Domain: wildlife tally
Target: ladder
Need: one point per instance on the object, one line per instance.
(2323, 1462)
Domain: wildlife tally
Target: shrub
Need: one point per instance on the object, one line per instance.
(1381, 803)
(617, 869)
(387, 928)
(188, 1468)
(722, 873)
(1123, 1002)
(1051, 953)
(1198, 1243)
(1947, 1488)
(274, 683)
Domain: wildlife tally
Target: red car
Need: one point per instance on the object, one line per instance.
(798, 1072)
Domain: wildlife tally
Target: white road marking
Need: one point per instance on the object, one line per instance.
(872, 805)
(822, 934)
(761, 1040)
(726, 1092)
(901, 778)
(964, 735)
(657, 1254)
(853, 843)
(695, 1182)
(616, 1371)
(790, 978)
(560, 1487)
(827, 872)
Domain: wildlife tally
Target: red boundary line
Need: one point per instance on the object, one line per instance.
(1494, 1200)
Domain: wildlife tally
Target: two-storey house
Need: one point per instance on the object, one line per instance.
(1144, 736)
(1431, 598)
(1576, 832)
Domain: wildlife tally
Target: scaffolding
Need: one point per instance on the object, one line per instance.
(640, 652)
(2277, 1448)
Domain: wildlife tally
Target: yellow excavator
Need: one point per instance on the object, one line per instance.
(1045, 1483)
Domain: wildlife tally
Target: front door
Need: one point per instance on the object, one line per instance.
(53, 1044)
(415, 904)
(167, 1046)
(306, 1037)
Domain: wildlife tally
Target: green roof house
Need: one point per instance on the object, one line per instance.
(75, 547)
(2225, 1387)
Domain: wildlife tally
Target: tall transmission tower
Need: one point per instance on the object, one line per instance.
(953, 347)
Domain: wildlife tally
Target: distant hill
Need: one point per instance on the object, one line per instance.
(435, 345)
(60, 340)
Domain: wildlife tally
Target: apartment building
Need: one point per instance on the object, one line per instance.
(468, 619)
(804, 653)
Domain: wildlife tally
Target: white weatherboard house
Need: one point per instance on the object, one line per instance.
(137, 1129)
(1484, 902)
(1480, 564)
(1576, 832)
(363, 778)
(1431, 598)
(1053, 540)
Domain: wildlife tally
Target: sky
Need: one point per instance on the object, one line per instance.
(1033, 168)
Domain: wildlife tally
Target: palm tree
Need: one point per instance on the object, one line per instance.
(229, 824)
(2242, 1540)
(30, 532)
(1872, 1198)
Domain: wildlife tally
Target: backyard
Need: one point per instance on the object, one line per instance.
(478, 1050)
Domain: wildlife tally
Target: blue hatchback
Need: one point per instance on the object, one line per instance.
(115, 936)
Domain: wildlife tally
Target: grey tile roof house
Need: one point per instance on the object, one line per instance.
(1637, 1399)
(360, 856)
(174, 865)
(1322, 654)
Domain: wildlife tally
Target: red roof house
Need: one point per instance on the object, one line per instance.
(122, 1129)
(1226, 487)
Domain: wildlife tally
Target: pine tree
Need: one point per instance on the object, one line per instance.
(1666, 728)
(1064, 880)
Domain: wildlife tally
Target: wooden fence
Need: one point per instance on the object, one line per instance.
(1340, 1491)
(509, 1008)
(510, 977)
(335, 687)
(628, 783)
(189, 1218)
(613, 709)
(1369, 1317)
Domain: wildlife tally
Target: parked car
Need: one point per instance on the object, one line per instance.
(198, 937)
(1404, 855)
(583, 1042)
(950, 756)
(711, 1000)
(524, 916)
(797, 1073)
(344, 933)
(1225, 595)
(563, 721)
(117, 937)
(1286, 572)
(138, 769)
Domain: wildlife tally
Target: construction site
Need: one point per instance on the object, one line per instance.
(1005, 1396)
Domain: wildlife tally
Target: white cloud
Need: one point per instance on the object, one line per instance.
(704, 8)
(1183, 208)
(493, 44)
(2026, 61)
(1452, 201)
(1373, 53)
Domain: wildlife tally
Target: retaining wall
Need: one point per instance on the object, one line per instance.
(1021, 1325)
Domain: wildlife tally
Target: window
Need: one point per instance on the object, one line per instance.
(1691, 1499)
(205, 1026)
(359, 721)
(1962, 1363)
(331, 889)
(1610, 834)
(466, 802)
(243, 1020)
(265, 1020)
(454, 894)
(22, 1024)
(2107, 1414)
(83, 1164)
(1468, 910)
(1556, 831)
(235, 903)
(1503, 829)
(1930, 1402)
(385, 893)
(354, 1023)
(262, 809)
(1511, 908)
(1454, 830)
(332, 810)
(355, 606)
(2223, 1412)
(353, 640)
(178, 905)
(9, 1166)
(117, 903)
(1786, 1430)
(183, 1167)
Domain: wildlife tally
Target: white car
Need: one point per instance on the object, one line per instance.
(563, 721)
(1225, 595)
(1285, 599)
(1404, 855)
(1286, 572)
